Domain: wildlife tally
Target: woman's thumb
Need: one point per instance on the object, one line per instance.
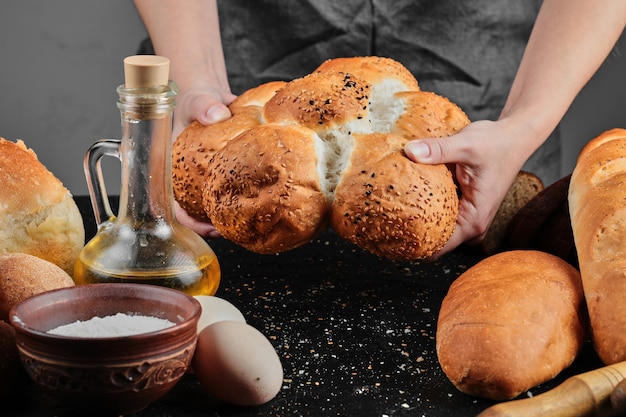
(213, 112)
(428, 151)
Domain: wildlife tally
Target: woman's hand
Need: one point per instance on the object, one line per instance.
(484, 164)
(207, 105)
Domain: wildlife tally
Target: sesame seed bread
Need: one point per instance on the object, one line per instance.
(298, 164)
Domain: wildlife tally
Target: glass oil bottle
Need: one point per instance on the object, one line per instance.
(143, 243)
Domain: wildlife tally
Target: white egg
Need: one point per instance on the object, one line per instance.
(237, 364)
(216, 309)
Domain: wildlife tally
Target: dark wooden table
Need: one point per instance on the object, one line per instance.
(356, 334)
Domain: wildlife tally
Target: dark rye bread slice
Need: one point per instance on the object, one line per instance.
(544, 224)
(524, 188)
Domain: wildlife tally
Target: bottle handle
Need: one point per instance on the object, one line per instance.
(95, 181)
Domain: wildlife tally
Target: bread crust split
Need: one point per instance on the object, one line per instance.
(289, 162)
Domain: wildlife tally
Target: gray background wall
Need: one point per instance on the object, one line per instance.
(61, 61)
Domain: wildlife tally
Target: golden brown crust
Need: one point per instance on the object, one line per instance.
(193, 149)
(25, 181)
(344, 99)
(511, 322)
(320, 101)
(256, 96)
(23, 275)
(598, 214)
(428, 115)
(39, 215)
(392, 206)
(375, 69)
(263, 190)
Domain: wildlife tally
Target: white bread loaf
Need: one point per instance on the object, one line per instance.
(324, 149)
(511, 322)
(597, 204)
(39, 215)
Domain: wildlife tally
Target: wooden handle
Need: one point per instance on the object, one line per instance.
(587, 394)
(146, 71)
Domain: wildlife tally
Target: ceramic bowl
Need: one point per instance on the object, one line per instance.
(111, 374)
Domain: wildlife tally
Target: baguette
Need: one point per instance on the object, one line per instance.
(597, 204)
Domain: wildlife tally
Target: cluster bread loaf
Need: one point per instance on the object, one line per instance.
(324, 150)
(597, 204)
(39, 215)
(511, 322)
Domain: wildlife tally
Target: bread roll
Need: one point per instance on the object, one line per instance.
(323, 101)
(271, 181)
(391, 206)
(264, 190)
(195, 146)
(597, 204)
(193, 150)
(39, 215)
(23, 275)
(512, 321)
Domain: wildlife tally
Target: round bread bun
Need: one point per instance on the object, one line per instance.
(321, 101)
(39, 215)
(194, 148)
(295, 168)
(274, 205)
(23, 275)
(391, 206)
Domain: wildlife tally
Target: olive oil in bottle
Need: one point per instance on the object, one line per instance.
(143, 243)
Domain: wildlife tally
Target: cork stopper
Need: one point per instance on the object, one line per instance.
(146, 71)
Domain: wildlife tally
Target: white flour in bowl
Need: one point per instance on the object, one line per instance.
(116, 325)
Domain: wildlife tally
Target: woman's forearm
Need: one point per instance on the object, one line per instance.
(187, 32)
(570, 40)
